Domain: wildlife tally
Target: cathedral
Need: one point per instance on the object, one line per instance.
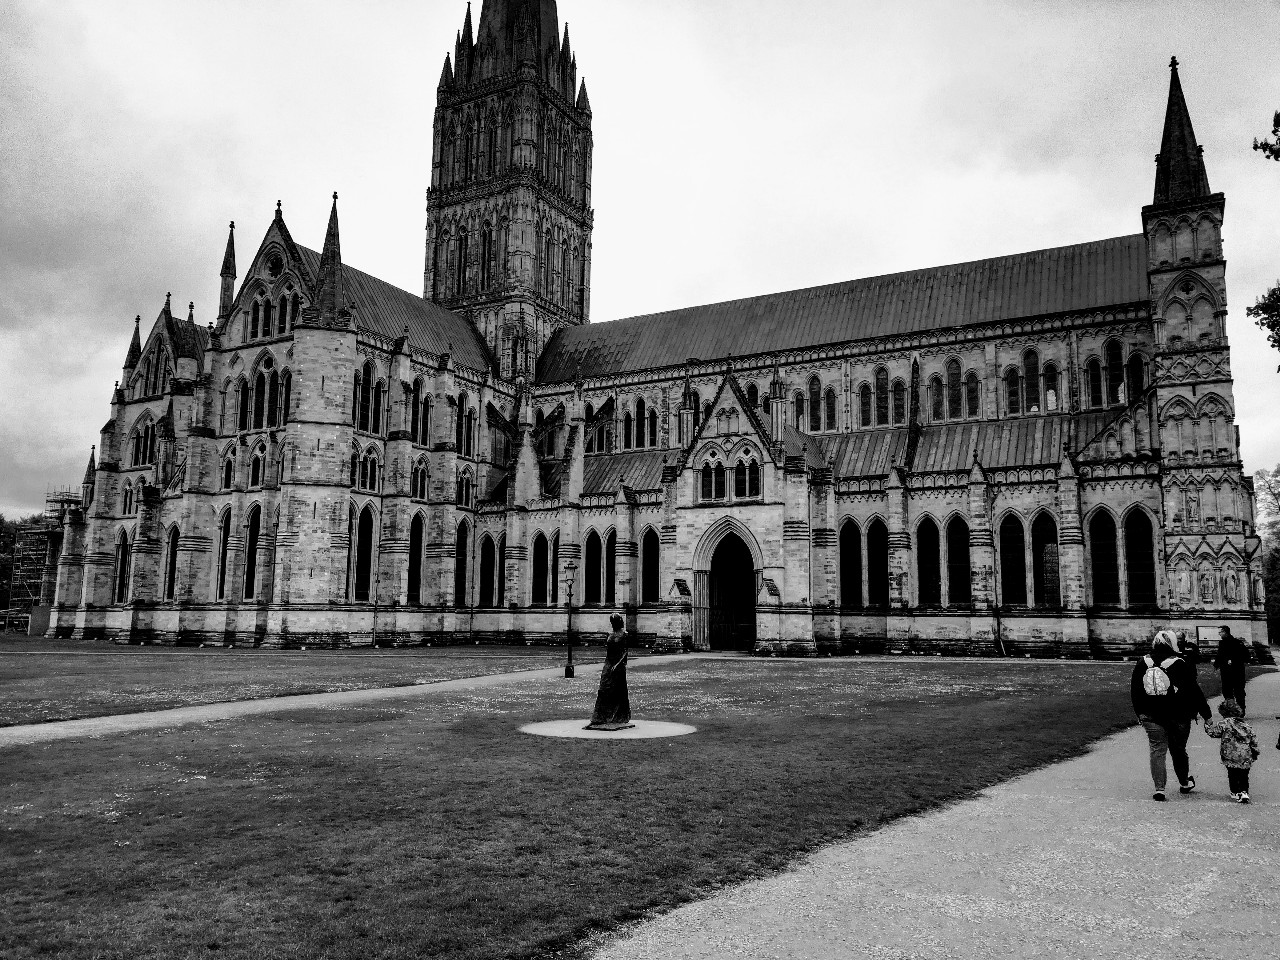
(1033, 454)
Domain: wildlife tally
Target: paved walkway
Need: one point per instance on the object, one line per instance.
(204, 713)
(1074, 860)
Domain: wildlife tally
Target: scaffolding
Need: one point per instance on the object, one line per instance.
(36, 549)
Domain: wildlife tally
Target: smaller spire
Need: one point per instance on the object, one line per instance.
(229, 258)
(467, 35)
(135, 345)
(329, 293)
(1180, 172)
(92, 468)
(279, 211)
(584, 104)
(191, 312)
(446, 75)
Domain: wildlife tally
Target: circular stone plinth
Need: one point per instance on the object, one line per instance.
(642, 730)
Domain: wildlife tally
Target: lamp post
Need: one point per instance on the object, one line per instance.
(570, 569)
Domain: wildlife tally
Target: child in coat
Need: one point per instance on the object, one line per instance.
(1239, 748)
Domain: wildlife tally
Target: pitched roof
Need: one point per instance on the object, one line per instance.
(639, 469)
(1082, 276)
(949, 447)
(385, 309)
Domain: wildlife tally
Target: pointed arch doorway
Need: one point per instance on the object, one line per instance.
(727, 569)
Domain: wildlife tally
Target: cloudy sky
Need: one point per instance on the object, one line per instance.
(741, 147)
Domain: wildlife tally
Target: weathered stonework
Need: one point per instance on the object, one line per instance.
(1026, 455)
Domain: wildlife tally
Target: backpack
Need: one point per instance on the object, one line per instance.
(1155, 681)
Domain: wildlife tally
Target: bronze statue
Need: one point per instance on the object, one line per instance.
(613, 709)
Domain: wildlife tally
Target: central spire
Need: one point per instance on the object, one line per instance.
(1180, 173)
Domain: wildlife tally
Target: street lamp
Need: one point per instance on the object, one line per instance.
(570, 569)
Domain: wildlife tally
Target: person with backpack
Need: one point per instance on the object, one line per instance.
(1166, 697)
(1231, 659)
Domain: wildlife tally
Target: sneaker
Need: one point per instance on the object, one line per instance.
(1242, 798)
(1188, 786)
(1158, 795)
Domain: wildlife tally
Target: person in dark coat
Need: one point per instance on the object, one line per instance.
(1231, 659)
(1166, 716)
(613, 708)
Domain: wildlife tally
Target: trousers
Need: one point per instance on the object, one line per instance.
(1238, 780)
(1171, 739)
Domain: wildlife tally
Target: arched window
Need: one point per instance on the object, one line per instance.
(365, 383)
(640, 423)
(242, 404)
(415, 413)
(1013, 563)
(850, 566)
(1104, 560)
(707, 488)
(653, 428)
(255, 470)
(1031, 381)
(650, 572)
(1051, 397)
(937, 402)
(253, 530)
(259, 400)
(266, 318)
(929, 563)
(364, 555)
(877, 565)
(718, 475)
(1115, 371)
(753, 395)
(460, 554)
(1093, 382)
(415, 558)
(882, 397)
(740, 479)
(375, 425)
(753, 479)
(610, 568)
(591, 572)
(122, 568)
(540, 572)
(1140, 559)
(864, 405)
(488, 567)
(829, 409)
(798, 411)
(954, 410)
(283, 313)
(294, 307)
(815, 405)
(959, 574)
(1136, 377)
(286, 398)
(501, 574)
(626, 430)
(126, 505)
(255, 314)
(486, 254)
(971, 394)
(224, 555)
(1012, 392)
(460, 277)
(171, 564)
(1045, 578)
(351, 545)
(470, 433)
(460, 424)
(418, 486)
(899, 402)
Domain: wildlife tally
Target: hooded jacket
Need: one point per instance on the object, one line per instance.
(1176, 706)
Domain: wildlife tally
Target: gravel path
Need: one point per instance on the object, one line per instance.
(1074, 860)
(159, 719)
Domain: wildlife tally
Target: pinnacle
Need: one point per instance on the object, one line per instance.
(1180, 171)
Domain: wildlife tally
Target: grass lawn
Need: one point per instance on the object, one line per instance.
(433, 828)
(63, 681)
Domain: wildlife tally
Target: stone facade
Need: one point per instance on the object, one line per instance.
(1029, 454)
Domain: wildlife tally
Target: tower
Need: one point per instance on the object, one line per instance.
(1207, 501)
(509, 208)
